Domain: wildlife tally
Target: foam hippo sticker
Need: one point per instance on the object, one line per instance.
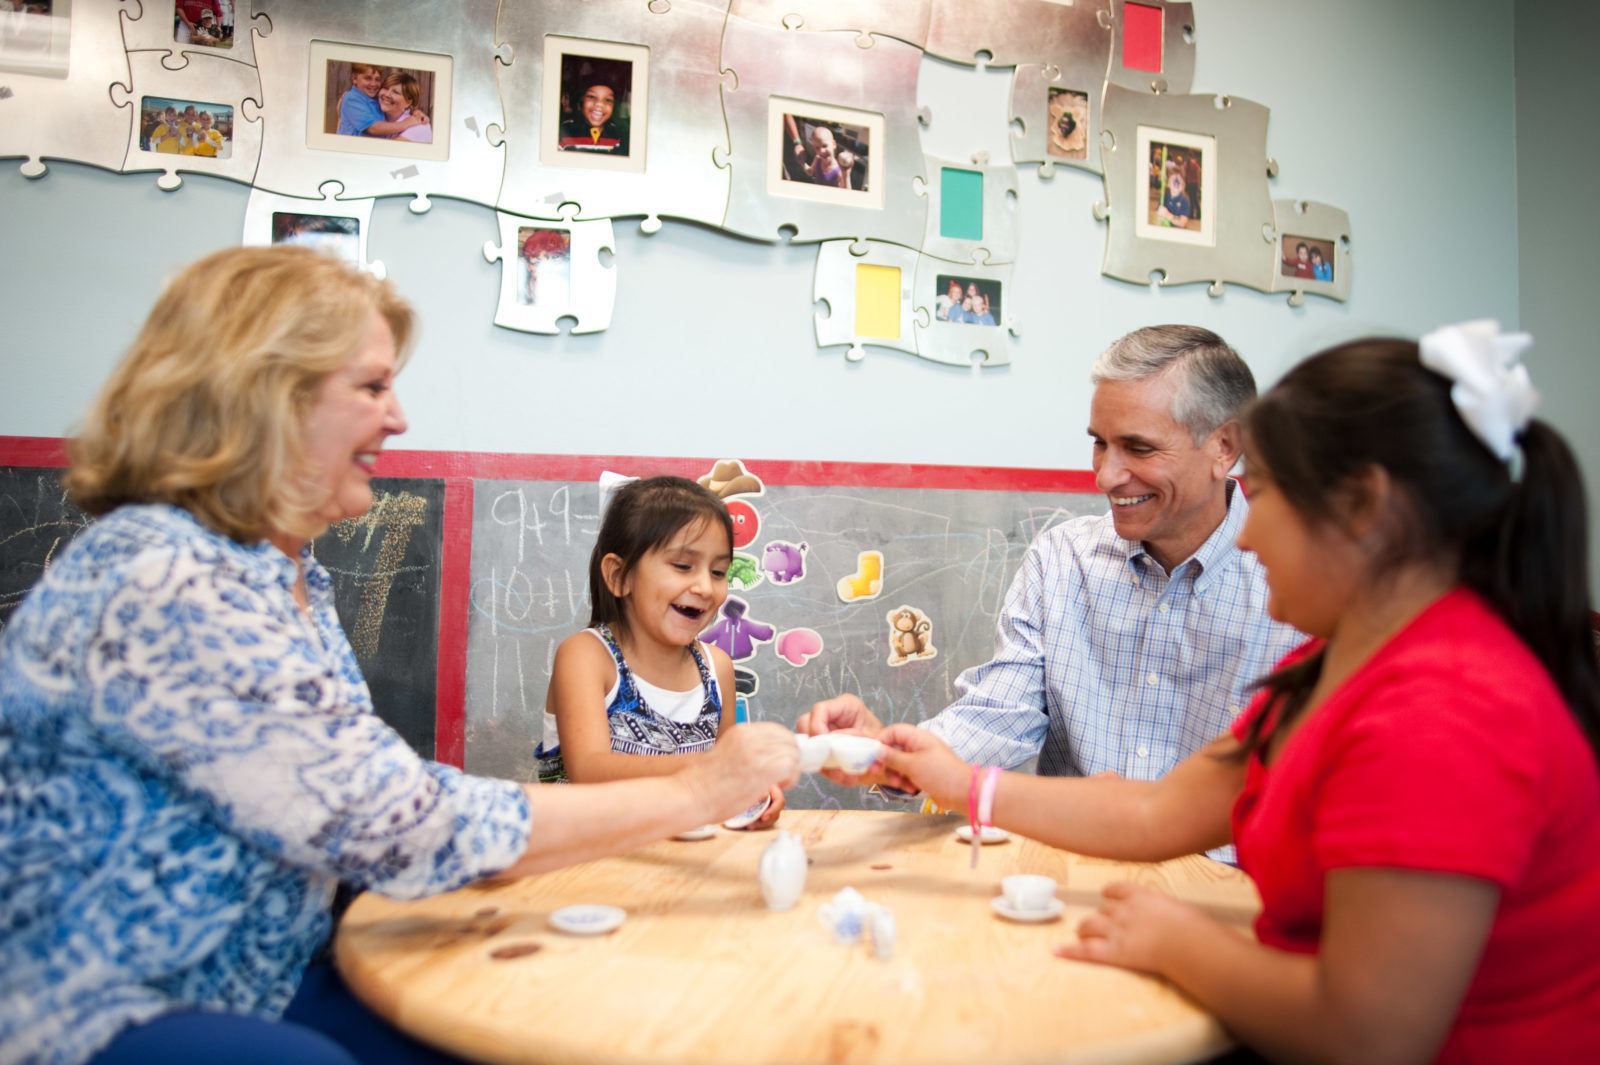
(785, 562)
(910, 635)
(736, 634)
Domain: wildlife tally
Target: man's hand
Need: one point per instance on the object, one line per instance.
(917, 760)
(842, 713)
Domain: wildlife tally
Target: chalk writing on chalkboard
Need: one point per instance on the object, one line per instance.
(385, 568)
(36, 521)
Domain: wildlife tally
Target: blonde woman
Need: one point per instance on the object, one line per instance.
(189, 758)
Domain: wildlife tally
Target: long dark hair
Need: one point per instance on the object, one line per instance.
(1522, 544)
(643, 515)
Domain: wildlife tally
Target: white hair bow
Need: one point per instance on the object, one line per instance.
(1491, 390)
(609, 483)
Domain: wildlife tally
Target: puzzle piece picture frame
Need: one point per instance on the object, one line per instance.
(776, 120)
(339, 227)
(550, 270)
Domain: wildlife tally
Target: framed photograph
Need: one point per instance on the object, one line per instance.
(544, 259)
(1175, 196)
(966, 300)
(596, 104)
(185, 127)
(338, 235)
(1068, 134)
(378, 101)
(206, 23)
(820, 152)
(1306, 258)
(34, 35)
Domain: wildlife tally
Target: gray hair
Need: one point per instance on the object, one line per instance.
(1214, 384)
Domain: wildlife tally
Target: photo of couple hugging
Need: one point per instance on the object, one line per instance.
(385, 103)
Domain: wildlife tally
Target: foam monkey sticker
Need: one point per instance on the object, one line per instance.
(910, 635)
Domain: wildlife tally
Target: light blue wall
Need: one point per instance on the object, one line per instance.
(1400, 113)
(1558, 166)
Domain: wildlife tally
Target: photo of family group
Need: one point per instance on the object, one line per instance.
(545, 259)
(1175, 186)
(819, 152)
(34, 36)
(185, 127)
(1307, 257)
(378, 101)
(596, 94)
(1069, 124)
(334, 234)
(204, 22)
(965, 300)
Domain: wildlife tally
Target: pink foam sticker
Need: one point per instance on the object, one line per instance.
(1141, 37)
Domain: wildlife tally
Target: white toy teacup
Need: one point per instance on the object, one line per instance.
(814, 752)
(1028, 892)
(853, 754)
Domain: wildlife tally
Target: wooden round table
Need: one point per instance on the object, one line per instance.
(703, 972)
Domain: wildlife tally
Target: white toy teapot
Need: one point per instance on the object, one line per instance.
(782, 871)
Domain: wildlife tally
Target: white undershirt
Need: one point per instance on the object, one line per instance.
(679, 707)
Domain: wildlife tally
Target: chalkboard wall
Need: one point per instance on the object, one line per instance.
(385, 569)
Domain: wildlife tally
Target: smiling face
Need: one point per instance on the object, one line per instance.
(1311, 569)
(822, 143)
(597, 104)
(674, 591)
(353, 413)
(1175, 184)
(368, 80)
(1164, 491)
(393, 101)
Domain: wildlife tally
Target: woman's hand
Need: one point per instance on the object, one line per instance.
(1133, 928)
(747, 761)
(917, 760)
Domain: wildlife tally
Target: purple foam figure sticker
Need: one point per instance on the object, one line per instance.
(736, 634)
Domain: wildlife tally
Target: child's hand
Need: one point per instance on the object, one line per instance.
(917, 760)
(1131, 928)
(769, 816)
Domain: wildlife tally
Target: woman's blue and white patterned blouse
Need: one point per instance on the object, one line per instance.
(187, 767)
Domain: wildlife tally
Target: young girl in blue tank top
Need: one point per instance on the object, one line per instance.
(636, 693)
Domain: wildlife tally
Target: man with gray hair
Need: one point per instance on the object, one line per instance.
(1131, 639)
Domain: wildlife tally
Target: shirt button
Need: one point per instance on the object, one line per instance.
(1162, 609)
(1152, 680)
(1144, 752)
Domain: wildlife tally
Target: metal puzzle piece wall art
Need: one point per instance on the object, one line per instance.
(823, 135)
(551, 270)
(972, 210)
(868, 292)
(1055, 106)
(1022, 31)
(614, 108)
(904, 20)
(208, 27)
(1310, 245)
(964, 312)
(1152, 46)
(199, 115)
(1186, 185)
(55, 71)
(338, 227)
(386, 99)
